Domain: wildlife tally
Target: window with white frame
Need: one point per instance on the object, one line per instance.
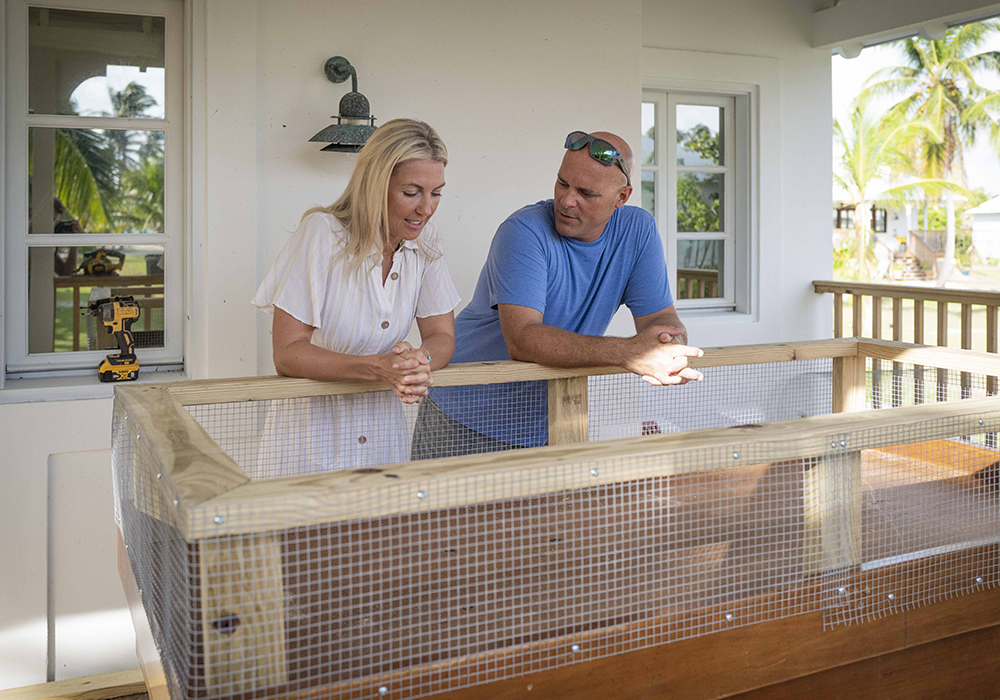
(695, 182)
(94, 177)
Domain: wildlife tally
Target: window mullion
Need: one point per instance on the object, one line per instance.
(667, 128)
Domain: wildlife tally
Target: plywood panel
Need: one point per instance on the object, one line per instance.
(83, 589)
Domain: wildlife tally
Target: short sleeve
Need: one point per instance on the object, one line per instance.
(437, 294)
(298, 282)
(648, 289)
(516, 268)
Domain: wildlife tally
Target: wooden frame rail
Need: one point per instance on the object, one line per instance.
(205, 479)
(216, 507)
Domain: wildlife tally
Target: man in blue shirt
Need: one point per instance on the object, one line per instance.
(556, 274)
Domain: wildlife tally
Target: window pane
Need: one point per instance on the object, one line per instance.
(649, 192)
(64, 280)
(699, 198)
(95, 63)
(699, 265)
(649, 133)
(95, 180)
(699, 135)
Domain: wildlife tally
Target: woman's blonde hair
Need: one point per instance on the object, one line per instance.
(363, 209)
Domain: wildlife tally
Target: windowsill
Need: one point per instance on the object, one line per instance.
(75, 388)
(716, 316)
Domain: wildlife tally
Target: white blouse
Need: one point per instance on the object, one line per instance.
(353, 313)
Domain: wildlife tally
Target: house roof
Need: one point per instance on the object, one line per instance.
(990, 206)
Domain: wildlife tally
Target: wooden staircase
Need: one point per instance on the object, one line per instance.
(911, 269)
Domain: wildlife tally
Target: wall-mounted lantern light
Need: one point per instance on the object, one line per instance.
(354, 123)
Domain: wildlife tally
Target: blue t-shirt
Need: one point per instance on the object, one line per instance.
(577, 286)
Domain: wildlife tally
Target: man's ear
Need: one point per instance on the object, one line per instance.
(623, 194)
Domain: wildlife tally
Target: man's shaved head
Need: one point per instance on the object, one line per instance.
(622, 146)
(588, 192)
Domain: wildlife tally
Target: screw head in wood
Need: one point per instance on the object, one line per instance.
(842, 591)
(575, 648)
(736, 455)
(843, 443)
(892, 596)
(979, 579)
(218, 520)
(421, 494)
(159, 475)
(729, 617)
(383, 690)
(594, 472)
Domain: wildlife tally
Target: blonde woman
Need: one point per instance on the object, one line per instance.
(344, 293)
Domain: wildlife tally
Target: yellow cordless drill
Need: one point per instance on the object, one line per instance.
(118, 314)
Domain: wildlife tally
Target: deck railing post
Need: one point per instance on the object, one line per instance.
(832, 484)
(942, 341)
(568, 420)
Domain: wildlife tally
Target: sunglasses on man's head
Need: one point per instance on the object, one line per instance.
(600, 150)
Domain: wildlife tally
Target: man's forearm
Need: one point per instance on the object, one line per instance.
(555, 347)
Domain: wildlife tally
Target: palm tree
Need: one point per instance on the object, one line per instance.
(129, 102)
(870, 151)
(938, 85)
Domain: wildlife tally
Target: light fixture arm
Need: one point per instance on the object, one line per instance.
(338, 69)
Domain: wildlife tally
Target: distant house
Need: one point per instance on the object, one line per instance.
(986, 229)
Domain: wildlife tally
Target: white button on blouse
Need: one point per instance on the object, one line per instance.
(353, 314)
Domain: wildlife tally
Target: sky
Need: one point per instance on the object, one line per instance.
(981, 165)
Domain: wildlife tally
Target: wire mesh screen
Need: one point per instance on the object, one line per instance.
(929, 520)
(903, 384)
(312, 434)
(163, 562)
(622, 405)
(353, 585)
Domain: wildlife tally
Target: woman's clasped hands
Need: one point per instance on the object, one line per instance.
(407, 371)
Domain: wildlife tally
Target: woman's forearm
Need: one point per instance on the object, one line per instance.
(440, 346)
(303, 359)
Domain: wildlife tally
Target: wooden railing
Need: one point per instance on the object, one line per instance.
(693, 283)
(149, 286)
(910, 305)
(925, 254)
(935, 240)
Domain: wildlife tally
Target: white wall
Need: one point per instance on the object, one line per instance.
(986, 235)
(30, 433)
(503, 83)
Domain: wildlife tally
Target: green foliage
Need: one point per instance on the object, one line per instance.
(698, 195)
(937, 84)
(111, 180)
(697, 204)
(699, 139)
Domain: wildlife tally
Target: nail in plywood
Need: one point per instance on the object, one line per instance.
(568, 417)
